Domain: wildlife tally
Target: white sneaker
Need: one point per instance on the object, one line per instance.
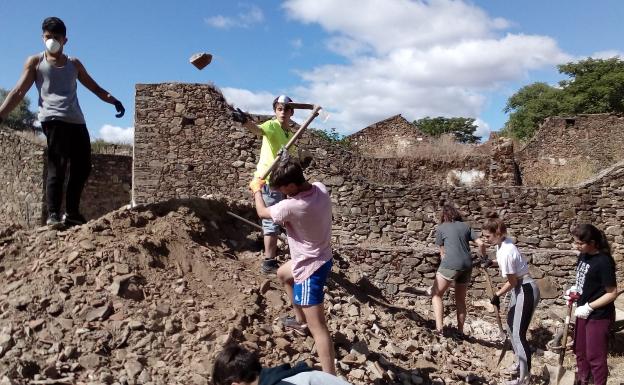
(511, 369)
(517, 381)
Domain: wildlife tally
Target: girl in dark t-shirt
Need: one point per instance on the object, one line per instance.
(595, 311)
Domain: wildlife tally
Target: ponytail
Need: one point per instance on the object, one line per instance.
(589, 233)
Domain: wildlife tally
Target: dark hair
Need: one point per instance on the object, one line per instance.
(494, 224)
(589, 233)
(235, 364)
(449, 213)
(54, 25)
(288, 171)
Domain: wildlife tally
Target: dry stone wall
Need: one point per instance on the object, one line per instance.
(384, 214)
(22, 181)
(595, 140)
(21, 178)
(109, 185)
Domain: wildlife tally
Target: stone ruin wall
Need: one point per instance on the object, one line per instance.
(22, 181)
(186, 145)
(560, 142)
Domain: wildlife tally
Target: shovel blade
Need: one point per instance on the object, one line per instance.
(558, 375)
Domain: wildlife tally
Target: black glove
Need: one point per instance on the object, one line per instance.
(305, 163)
(239, 116)
(486, 262)
(120, 109)
(495, 300)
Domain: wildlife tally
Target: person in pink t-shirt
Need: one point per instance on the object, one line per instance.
(306, 214)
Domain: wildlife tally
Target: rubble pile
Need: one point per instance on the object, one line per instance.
(149, 295)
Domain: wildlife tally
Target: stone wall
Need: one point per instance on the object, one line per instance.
(186, 145)
(22, 181)
(385, 212)
(389, 136)
(585, 141)
(109, 185)
(21, 178)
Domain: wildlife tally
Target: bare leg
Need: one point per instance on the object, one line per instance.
(315, 315)
(460, 303)
(284, 274)
(270, 246)
(440, 285)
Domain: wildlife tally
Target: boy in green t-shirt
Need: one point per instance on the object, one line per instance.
(275, 134)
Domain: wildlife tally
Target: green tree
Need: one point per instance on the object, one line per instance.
(462, 128)
(530, 106)
(21, 118)
(594, 86)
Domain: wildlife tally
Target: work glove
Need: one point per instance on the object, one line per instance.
(305, 158)
(240, 116)
(486, 262)
(583, 311)
(571, 295)
(120, 109)
(256, 184)
(495, 300)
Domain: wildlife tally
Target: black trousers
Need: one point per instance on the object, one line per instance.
(68, 144)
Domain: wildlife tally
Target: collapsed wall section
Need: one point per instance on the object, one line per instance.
(589, 142)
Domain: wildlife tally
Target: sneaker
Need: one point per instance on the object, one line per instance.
(269, 266)
(518, 381)
(291, 323)
(54, 221)
(511, 369)
(73, 219)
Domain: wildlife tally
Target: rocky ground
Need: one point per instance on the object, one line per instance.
(147, 296)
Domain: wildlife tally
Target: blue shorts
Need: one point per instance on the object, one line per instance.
(310, 292)
(270, 198)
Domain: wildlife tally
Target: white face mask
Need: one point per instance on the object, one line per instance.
(52, 45)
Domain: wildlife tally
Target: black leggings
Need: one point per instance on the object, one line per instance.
(67, 144)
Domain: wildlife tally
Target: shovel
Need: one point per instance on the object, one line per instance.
(558, 375)
(503, 334)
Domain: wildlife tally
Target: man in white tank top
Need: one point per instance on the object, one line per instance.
(61, 118)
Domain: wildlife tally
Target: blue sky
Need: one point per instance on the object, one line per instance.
(362, 60)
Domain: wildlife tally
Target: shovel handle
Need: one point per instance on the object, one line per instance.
(564, 339)
(488, 279)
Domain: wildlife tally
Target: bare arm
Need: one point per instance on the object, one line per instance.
(91, 85)
(605, 299)
(26, 80)
(261, 209)
(512, 281)
(441, 252)
(251, 126)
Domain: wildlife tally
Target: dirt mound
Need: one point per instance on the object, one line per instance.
(148, 296)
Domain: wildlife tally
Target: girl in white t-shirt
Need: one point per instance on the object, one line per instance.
(524, 295)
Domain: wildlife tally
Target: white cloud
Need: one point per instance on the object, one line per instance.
(115, 134)
(607, 54)
(252, 15)
(483, 130)
(417, 58)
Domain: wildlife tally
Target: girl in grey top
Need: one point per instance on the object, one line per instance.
(453, 236)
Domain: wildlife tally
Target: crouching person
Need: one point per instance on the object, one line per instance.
(306, 214)
(237, 366)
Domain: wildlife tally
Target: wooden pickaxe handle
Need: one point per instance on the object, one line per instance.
(315, 112)
(301, 106)
(488, 279)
